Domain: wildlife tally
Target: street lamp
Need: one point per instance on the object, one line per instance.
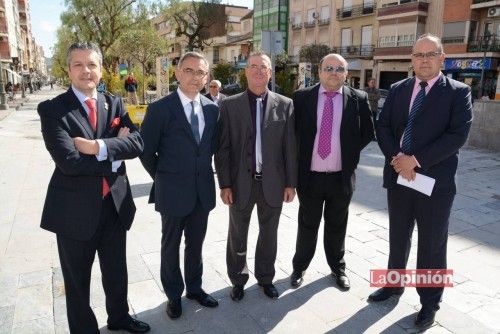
(3, 103)
(484, 45)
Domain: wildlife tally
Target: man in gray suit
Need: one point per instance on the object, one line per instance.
(256, 164)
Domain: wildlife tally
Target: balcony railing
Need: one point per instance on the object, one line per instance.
(474, 2)
(355, 50)
(453, 40)
(489, 43)
(309, 24)
(355, 11)
(324, 22)
(406, 8)
(296, 26)
(395, 43)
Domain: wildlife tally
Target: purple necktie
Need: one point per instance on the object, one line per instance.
(325, 131)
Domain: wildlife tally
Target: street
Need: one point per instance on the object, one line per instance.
(32, 298)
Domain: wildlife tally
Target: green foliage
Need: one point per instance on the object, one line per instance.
(243, 79)
(223, 72)
(286, 81)
(313, 54)
(114, 84)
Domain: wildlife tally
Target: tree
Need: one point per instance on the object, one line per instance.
(223, 72)
(194, 20)
(143, 46)
(313, 54)
(64, 39)
(103, 22)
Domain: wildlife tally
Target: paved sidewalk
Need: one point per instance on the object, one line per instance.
(32, 293)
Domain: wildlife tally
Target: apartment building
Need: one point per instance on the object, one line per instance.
(348, 27)
(400, 22)
(471, 37)
(270, 15)
(223, 44)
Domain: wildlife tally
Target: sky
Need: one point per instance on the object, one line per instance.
(45, 20)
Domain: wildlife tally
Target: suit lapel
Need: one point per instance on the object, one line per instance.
(433, 95)
(313, 109)
(80, 114)
(102, 115)
(347, 107)
(269, 109)
(246, 112)
(208, 121)
(406, 99)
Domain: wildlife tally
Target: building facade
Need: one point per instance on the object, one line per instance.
(270, 15)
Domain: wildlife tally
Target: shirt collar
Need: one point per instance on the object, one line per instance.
(186, 100)
(254, 97)
(81, 96)
(322, 90)
(430, 83)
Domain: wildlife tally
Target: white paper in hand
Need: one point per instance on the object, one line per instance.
(422, 183)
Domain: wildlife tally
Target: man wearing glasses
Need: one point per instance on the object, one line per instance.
(334, 124)
(214, 93)
(424, 122)
(256, 165)
(179, 141)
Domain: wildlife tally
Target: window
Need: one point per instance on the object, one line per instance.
(346, 37)
(366, 35)
(216, 55)
(310, 15)
(325, 13)
(297, 18)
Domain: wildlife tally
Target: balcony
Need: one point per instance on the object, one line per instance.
(296, 26)
(474, 2)
(408, 8)
(355, 11)
(364, 51)
(489, 43)
(309, 24)
(324, 22)
(453, 40)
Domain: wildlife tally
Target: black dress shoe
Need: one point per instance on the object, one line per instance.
(270, 290)
(342, 281)
(203, 298)
(174, 308)
(237, 293)
(131, 325)
(385, 293)
(297, 278)
(425, 318)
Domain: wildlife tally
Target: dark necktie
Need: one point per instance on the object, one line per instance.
(195, 124)
(415, 109)
(326, 128)
(91, 103)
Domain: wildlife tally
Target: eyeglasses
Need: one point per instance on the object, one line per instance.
(255, 68)
(213, 86)
(331, 69)
(193, 73)
(428, 55)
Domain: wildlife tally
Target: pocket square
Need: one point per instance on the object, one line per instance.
(115, 122)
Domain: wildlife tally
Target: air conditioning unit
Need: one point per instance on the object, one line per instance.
(315, 15)
(494, 12)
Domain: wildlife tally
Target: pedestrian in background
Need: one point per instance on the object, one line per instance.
(373, 97)
(131, 88)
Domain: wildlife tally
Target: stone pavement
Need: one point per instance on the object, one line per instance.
(32, 292)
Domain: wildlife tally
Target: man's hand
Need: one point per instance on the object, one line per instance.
(288, 195)
(403, 162)
(226, 194)
(86, 146)
(123, 132)
(408, 175)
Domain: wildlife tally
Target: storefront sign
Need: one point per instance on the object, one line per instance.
(467, 64)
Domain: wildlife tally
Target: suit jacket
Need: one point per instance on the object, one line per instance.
(74, 196)
(234, 158)
(440, 129)
(182, 169)
(356, 131)
(221, 97)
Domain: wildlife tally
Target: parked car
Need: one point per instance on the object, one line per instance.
(381, 101)
(232, 89)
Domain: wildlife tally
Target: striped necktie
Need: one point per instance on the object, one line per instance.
(415, 109)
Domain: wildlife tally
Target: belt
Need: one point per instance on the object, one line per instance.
(326, 173)
(257, 176)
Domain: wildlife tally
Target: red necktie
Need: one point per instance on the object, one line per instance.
(91, 103)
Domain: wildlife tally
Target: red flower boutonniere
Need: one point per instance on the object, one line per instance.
(115, 122)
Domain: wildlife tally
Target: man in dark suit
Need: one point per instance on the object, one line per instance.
(89, 204)
(179, 142)
(256, 164)
(214, 93)
(333, 125)
(424, 122)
